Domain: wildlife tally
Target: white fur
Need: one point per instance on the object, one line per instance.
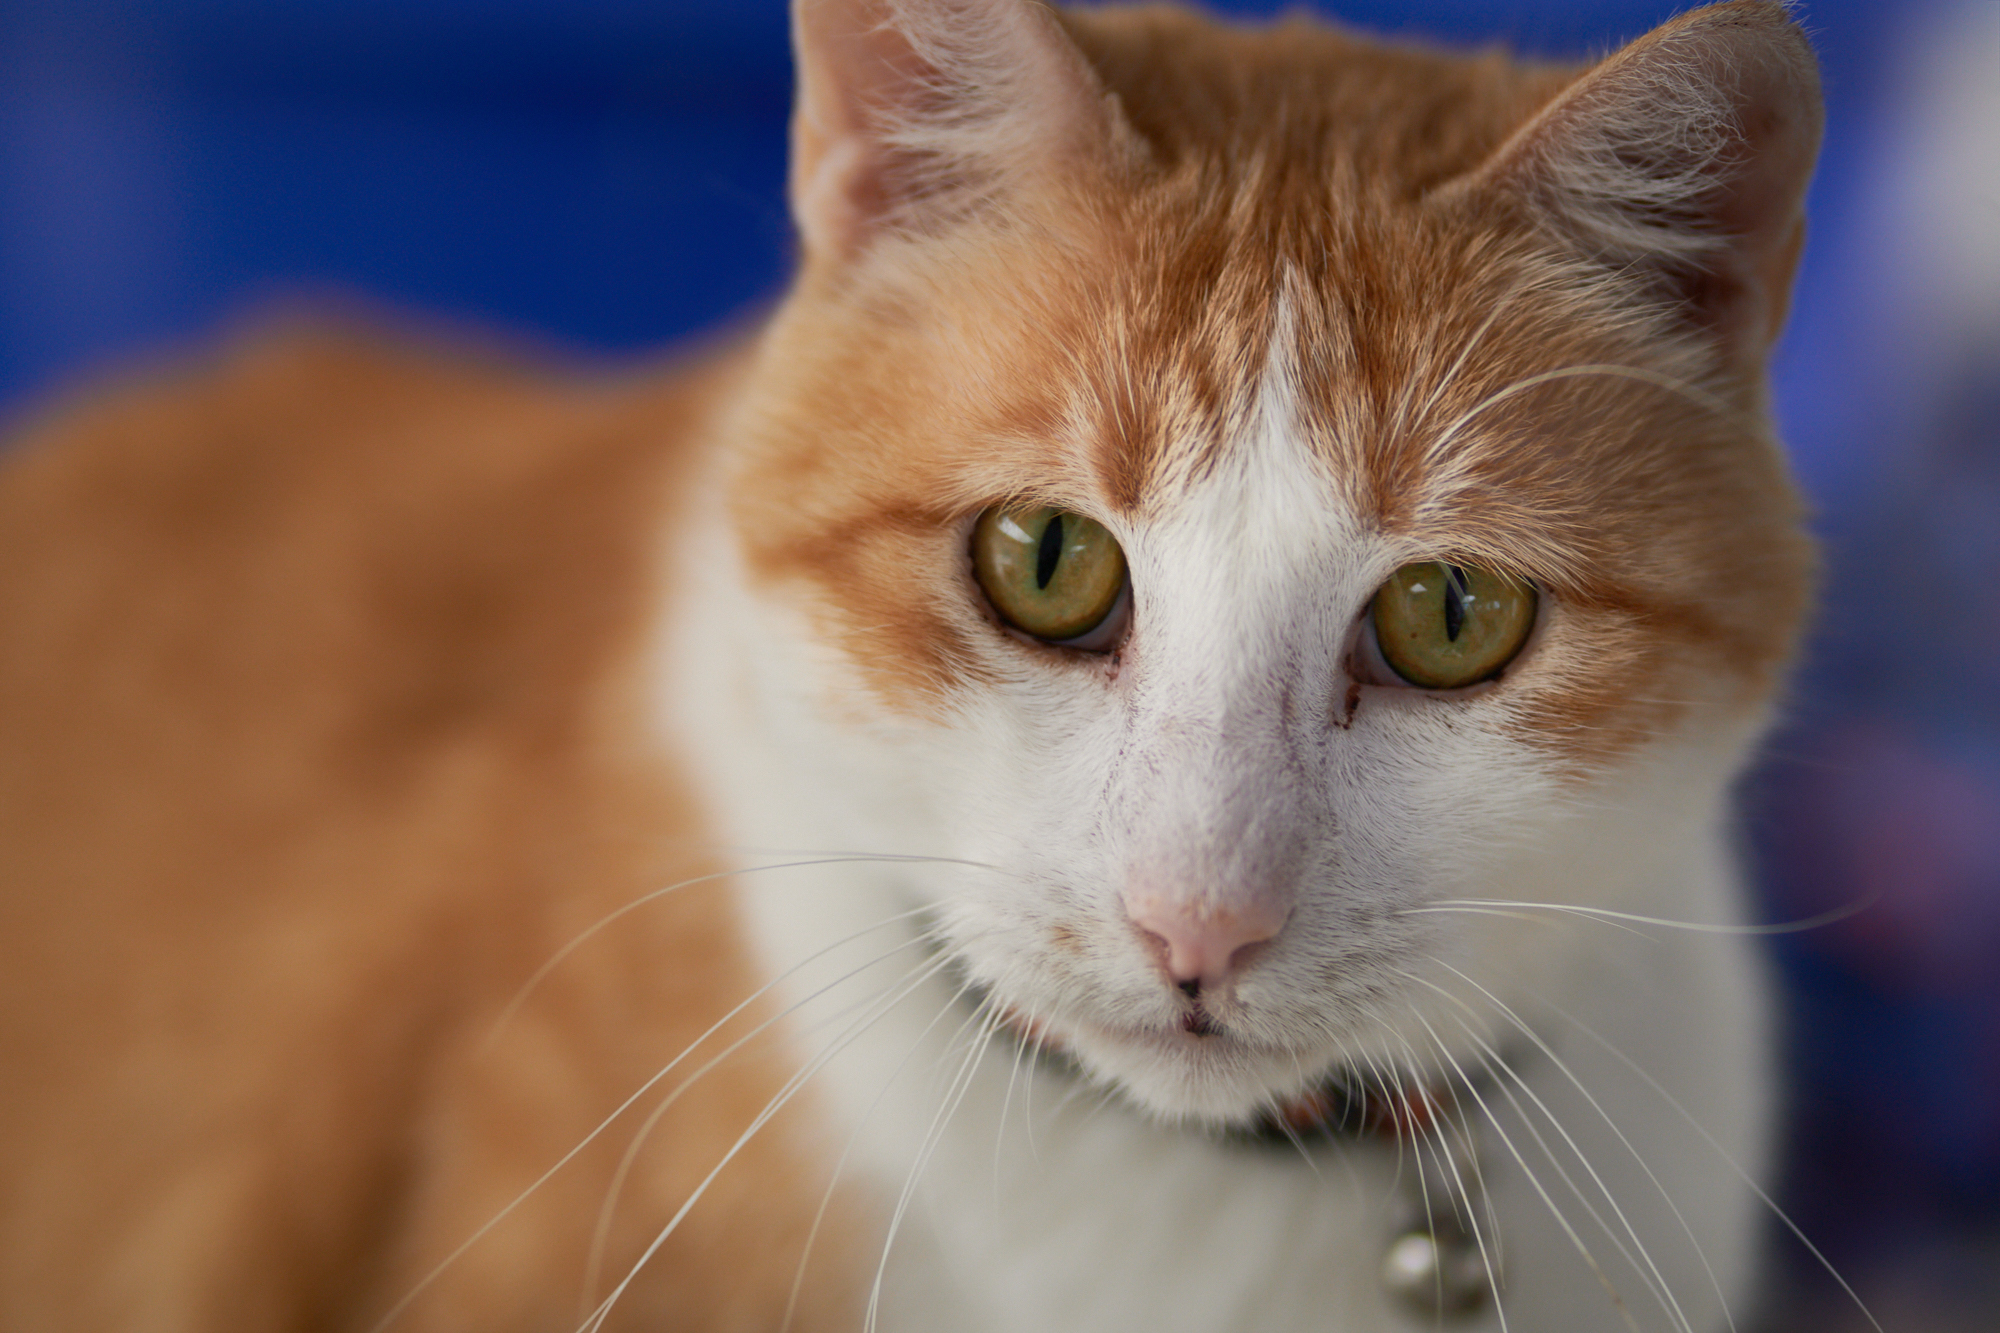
(1039, 1202)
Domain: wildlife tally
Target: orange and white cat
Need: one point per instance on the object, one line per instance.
(1151, 753)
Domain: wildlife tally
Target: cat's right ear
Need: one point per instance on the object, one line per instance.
(911, 112)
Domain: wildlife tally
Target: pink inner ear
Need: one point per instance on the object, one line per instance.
(1690, 150)
(856, 70)
(908, 108)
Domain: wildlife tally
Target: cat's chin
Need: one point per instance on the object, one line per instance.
(1215, 1079)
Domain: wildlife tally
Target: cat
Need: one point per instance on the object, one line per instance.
(1152, 751)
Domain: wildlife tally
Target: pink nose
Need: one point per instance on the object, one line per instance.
(1206, 944)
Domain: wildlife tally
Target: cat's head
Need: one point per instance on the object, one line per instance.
(1251, 489)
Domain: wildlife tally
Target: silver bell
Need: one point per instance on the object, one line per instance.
(1437, 1271)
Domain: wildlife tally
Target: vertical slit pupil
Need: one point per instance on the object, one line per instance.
(1455, 598)
(1049, 554)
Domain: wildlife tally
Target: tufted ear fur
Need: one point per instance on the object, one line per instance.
(1686, 155)
(911, 112)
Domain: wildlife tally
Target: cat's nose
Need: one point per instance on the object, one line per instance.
(1206, 943)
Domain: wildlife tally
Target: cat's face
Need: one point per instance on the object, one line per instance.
(1273, 389)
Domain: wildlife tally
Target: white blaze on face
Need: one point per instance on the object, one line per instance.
(1217, 779)
(1250, 582)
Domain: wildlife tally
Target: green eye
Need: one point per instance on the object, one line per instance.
(1048, 572)
(1443, 626)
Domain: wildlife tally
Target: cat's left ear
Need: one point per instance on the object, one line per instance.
(911, 112)
(1685, 155)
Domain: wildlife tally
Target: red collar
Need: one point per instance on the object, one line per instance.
(1364, 1109)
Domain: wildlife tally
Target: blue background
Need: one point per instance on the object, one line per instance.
(604, 177)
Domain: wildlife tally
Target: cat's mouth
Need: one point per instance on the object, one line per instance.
(1344, 1102)
(1201, 1068)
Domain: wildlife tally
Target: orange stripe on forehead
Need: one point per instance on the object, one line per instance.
(1171, 363)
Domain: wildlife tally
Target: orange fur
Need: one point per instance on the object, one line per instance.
(322, 712)
(322, 732)
(1094, 349)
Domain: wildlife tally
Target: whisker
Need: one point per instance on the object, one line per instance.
(1548, 1200)
(1471, 345)
(1492, 1214)
(1285, 1127)
(837, 855)
(1636, 1254)
(432, 1276)
(584, 936)
(1476, 907)
(1698, 396)
(847, 1148)
(1563, 1067)
(1695, 1124)
(1487, 1259)
(1506, 906)
(988, 1018)
(601, 1236)
(1041, 1042)
(777, 1103)
(1007, 1102)
(1424, 1191)
(812, 1232)
(1298, 1144)
(1381, 1079)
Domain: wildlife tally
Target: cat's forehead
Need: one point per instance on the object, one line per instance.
(1437, 386)
(1282, 268)
(1289, 219)
(1435, 376)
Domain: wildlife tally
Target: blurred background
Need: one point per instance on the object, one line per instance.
(603, 177)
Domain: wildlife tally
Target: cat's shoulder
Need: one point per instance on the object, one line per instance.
(331, 412)
(360, 489)
(323, 662)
